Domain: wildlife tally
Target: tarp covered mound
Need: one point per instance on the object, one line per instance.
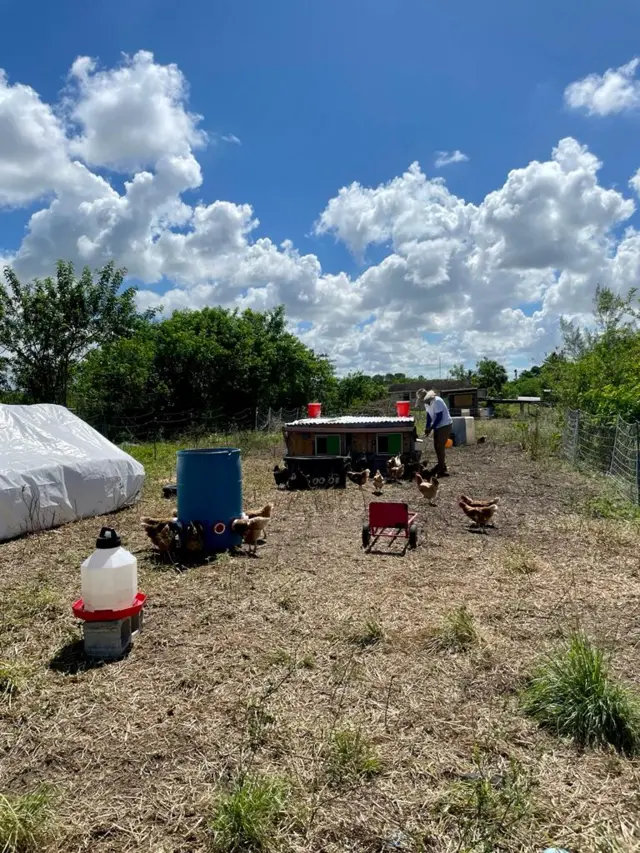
(55, 468)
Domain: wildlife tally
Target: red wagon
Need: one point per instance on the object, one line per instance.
(391, 520)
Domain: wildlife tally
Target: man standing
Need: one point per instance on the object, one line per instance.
(439, 422)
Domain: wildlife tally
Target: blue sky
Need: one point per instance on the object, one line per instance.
(324, 94)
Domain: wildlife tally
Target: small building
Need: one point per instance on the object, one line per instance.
(314, 444)
(459, 395)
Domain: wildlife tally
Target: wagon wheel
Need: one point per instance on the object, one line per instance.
(413, 536)
(366, 535)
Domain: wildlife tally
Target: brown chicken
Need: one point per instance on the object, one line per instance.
(393, 465)
(472, 503)
(191, 537)
(359, 477)
(398, 473)
(378, 483)
(481, 513)
(428, 488)
(264, 512)
(251, 530)
(161, 531)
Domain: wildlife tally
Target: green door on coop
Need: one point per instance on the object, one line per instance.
(328, 445)
(391, 443)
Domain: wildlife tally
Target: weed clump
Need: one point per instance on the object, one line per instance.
(251, 816)
(25, 821)
(573, 694)
(458, 632)
(350, 757)
(521, 560)
(486, 811)
(370, 633)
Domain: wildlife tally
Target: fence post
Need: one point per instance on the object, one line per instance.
(256, 421)
(637, 463)
(576, 438)
(269, 420)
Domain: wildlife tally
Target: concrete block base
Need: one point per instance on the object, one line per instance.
(111, 640)
(464, 430)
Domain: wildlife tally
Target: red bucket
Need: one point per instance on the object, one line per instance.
(313, 410)
(403, 407)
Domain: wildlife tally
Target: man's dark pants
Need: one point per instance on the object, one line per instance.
(440, 436)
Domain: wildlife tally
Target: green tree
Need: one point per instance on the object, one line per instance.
(600, 367)
(227, 360)
(461, 374)
(208, 361)
(491, 375)
(48, 325)
(118, 380)
(357, 389)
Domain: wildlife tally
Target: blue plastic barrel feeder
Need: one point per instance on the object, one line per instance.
(210, 491)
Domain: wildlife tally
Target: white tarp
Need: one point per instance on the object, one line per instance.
(55, 468)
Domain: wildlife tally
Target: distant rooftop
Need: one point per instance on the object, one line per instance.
(438, 384)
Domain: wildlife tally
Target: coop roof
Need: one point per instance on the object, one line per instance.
(356, 422)
(444, 385)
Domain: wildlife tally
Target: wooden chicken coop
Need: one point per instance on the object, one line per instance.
(321, 450)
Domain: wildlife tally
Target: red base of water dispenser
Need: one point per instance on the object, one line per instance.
(107, 615)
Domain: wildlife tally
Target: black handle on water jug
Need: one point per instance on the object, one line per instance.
(108, 539)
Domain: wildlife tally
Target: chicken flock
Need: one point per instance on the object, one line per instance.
(171, 536)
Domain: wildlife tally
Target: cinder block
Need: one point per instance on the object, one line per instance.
(110, 640)
(136, 623)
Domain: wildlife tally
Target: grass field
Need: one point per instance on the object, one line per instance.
(476, 694)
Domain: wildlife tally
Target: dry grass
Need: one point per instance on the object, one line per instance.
(249, 669)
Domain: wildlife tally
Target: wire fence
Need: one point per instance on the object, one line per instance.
(156, 425)
(610, 448)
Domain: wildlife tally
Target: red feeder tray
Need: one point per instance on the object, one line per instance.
(107, 615)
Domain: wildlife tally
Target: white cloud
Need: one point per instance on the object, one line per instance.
(133, 115)
(456, 280)
(446, 158)
(615, 91)
(552, 214)
(32, 145)
(231, 138)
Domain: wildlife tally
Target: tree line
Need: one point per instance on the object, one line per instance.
(597, 369)
(80, 341)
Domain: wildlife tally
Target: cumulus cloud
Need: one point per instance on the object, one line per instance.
(455, 280)
(446, 158)
(133, 115)
(33, 158)
(615, 91)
